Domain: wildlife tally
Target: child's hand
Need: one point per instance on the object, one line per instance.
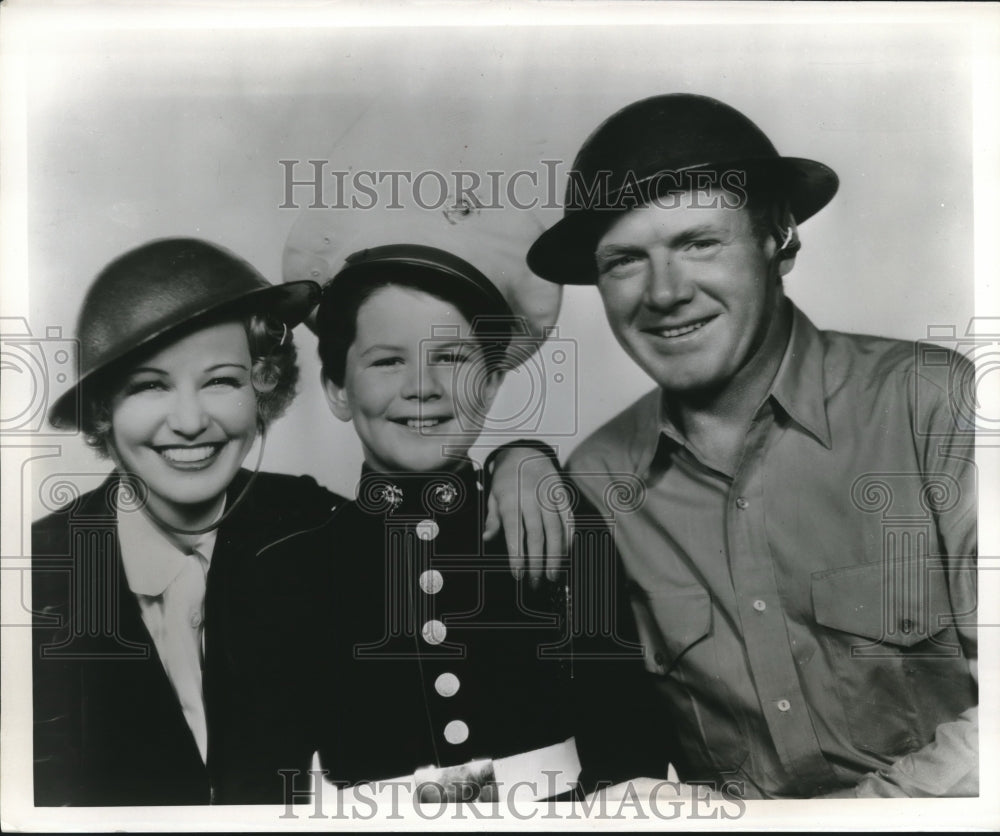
(538, 531)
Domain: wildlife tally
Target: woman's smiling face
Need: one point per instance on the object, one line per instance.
(417, 400)
(185, 418)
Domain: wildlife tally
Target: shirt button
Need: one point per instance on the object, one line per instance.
(427, 529)
(784, 705)
(195, 619)
(906, 625)
(456, 732)
(759, 605)
(742, 503)
(447, 685)
(433, 632)
(431, 581)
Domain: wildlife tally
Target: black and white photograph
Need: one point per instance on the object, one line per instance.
(524, 416)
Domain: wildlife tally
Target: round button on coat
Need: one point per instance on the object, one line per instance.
(759, 605)
(431, 581)
(456, 732)
(447, 684)
(784, 705)
(433, 632)
(742, 503)
(428, 529)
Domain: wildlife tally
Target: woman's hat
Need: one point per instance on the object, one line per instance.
(658, 145)
(482, 246)
(159, 289)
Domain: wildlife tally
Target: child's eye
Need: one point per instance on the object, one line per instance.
(448, 357)
(387, 362)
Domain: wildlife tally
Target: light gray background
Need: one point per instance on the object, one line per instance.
(129, 125)
(140, 134)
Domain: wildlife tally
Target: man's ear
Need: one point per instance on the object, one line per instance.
(788, 247)
(336, 397)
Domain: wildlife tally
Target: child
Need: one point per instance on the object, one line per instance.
(432, 662)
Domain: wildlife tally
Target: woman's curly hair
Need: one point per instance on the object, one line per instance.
(274, 375)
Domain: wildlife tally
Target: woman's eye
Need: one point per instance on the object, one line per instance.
(138, 386)
(228, 382)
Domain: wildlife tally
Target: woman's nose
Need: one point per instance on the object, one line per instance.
(187, 416)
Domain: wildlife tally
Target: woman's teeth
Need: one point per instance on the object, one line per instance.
(189, 454)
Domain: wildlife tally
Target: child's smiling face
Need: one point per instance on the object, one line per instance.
(417, 400)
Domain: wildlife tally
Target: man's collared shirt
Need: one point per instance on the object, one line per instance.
(808, 616)
(169, 584)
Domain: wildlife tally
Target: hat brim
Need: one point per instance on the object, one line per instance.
(564, 253)
(290, 302)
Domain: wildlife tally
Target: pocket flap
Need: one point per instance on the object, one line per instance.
(901, 602)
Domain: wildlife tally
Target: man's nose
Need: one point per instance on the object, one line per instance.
(668, 283)
(188, 416)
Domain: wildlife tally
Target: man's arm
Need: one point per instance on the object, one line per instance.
(948, 766)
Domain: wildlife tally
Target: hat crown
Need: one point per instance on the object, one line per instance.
(671, 132)
(154, 287)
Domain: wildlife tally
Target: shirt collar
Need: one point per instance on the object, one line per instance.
(152, 559)
(799, 387)
(800, 384)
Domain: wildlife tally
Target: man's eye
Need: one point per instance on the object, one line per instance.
(702, 245)
(618, 265)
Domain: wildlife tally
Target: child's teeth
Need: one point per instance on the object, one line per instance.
(188, 454)
(422, 423)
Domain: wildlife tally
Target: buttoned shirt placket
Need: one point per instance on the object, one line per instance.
(767, 642)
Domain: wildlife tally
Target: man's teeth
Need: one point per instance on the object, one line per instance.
(684, 329)
(423, 423)
(188, 454)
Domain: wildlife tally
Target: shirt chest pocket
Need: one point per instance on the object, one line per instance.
(670, 621)
(890, 643)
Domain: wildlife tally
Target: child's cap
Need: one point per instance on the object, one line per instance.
(482, 247)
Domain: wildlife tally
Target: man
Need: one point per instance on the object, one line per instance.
(803, 561)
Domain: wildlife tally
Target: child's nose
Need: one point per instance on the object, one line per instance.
(422, 383)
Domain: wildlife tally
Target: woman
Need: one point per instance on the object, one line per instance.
(186, 356)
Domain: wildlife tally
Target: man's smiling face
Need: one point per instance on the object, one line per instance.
(687, 291)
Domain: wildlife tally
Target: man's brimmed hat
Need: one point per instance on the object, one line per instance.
(663, 144)
(155, 292)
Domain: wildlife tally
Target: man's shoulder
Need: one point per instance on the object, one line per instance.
(874, 362)
(613, 445)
